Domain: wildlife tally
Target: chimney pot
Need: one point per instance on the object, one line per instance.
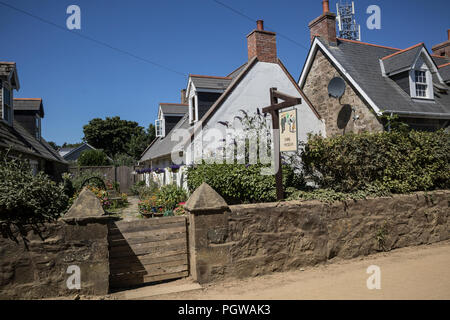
(448, 34)
(326, 6)
(260, 25)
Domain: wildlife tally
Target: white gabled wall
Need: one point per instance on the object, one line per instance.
(252, 93)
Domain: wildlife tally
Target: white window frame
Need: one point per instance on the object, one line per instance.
(421, 65)
(38, 127)
(160, 128)
(193, 108)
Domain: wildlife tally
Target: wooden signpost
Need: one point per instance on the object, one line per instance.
(273, 109)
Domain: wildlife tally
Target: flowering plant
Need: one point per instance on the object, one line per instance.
(174, 167)
(158, 170)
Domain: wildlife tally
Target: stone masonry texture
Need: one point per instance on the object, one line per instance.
(255, 239)
(34, 262)
(338, 117)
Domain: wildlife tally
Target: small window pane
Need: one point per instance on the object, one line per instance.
(421, 90)
(420, 77)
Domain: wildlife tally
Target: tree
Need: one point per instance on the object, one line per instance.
(118, 137)
(112, 134)
(54, 145)
(151, 132)
(71, 145)
(93, 158)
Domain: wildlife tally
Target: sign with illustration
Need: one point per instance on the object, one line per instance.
(288, 130)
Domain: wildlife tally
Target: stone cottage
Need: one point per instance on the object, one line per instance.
(379, 81)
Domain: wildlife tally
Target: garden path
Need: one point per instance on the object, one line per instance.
(131, 212)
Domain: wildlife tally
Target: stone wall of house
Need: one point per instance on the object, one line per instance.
(256, 239)
(35, 260)
(337, 113)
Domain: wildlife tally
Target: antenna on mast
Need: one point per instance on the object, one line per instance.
(348, 28)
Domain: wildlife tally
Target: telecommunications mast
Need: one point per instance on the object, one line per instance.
(348, 29)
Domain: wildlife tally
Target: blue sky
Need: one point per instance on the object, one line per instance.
(80, 80)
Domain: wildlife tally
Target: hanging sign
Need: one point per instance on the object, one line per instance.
(288, 131)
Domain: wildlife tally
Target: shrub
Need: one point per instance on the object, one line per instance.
(239, 183)
(77, 181)
(169, 196)
(396, 161)
(124, 159)
(25, 198)
(93, 158)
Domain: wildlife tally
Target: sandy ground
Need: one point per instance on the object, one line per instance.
(410, 273)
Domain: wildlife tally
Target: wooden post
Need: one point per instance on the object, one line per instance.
(276, 137)
(273, 109)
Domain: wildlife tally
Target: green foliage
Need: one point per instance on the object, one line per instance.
(330, 196)
(117, 136)
(169, 196)
(239, 183)
(25, 198)
(54, 145)
(124, 159)
(396, 161)
(69, 189)
(142, 190)
(78, 180)
(93, 158)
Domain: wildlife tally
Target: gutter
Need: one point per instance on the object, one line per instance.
(431, 115)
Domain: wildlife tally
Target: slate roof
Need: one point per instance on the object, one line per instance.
(29, 104)
(173, 108)
(362, 62)
(18, 138)
(211, 82)
(162, 146)
(444, 71)
(401, 59)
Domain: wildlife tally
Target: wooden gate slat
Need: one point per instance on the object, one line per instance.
(147, 250)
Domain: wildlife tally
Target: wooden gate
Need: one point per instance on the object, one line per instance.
(147, 250)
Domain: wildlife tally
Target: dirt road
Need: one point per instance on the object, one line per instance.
(409, 273)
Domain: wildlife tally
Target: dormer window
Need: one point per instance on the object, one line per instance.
(159, 127)
(421, 84)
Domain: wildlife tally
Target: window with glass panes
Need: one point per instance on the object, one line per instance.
(159, 127)
(421, 83)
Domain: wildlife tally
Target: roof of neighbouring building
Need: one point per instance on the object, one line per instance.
(17, 138)
(210, 82)
(401, 59)
(6, 68)
(173, 108)
(444, 70)
(29, 104)
(361, 62)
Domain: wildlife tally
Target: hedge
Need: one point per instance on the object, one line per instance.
(396, 161)
(239, 183)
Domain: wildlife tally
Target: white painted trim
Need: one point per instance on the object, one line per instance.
(210, 90)
(315, 46)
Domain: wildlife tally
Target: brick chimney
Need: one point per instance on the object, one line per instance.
(183, 96)
(262, 44)
(443, 49)
(324, 26)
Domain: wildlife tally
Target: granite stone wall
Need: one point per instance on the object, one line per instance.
(337, 113)
(256, 239)
(34, 261)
